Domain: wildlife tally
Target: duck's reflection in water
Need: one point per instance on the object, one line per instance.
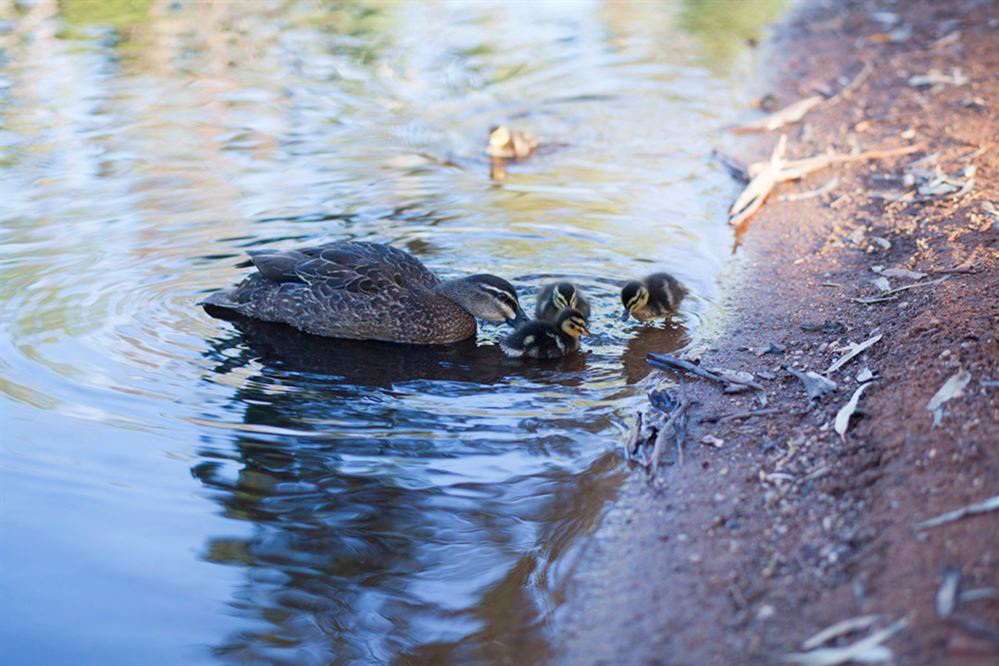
(393, 514)
(658, 338)
(371, 363)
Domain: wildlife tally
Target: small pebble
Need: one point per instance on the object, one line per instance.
(765, 612)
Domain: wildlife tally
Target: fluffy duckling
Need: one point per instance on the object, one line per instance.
(510, 144)
(559, 296)
(654, 297)
(542, 339)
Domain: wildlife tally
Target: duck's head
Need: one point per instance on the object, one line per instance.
(500, 137)
(573, 323)
(634, 296)
(487, 297)
(564, 296)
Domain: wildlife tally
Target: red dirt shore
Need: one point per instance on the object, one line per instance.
(743, 551)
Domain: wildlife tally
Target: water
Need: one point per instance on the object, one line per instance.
(177, 489)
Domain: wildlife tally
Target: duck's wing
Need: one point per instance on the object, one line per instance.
(582, 305)
(277, 265)
(667, 285)
(543, 308)
(362, 268)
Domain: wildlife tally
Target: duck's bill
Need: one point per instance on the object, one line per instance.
(625, 315)
(520, 319)
(586, 331)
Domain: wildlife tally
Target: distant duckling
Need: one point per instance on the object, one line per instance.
(654, 297)
(510, 144)
(542, 339)
(559, 296)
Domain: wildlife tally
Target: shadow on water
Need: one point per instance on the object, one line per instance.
(371, 363)
(354, 557)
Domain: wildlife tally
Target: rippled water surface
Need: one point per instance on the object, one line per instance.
(180, 489)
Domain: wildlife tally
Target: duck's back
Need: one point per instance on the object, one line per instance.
(364, 291)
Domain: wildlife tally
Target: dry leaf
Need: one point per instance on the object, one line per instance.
(901, 273)
(868, 650)
(853, 352)
(947, 594)
(815, 384)
(846, 411)
(952, 388)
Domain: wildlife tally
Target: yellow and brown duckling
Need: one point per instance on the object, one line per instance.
(654, 297)
(544, 339)
(558, 296)
(508, 144)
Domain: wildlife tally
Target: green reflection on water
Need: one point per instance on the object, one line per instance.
(114, 13)
(725, 26)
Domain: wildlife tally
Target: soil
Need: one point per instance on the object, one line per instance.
(742, 551)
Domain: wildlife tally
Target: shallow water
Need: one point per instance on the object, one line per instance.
(180, 489)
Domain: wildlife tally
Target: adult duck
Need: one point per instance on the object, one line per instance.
(366, 291)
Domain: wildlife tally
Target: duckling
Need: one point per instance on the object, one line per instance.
(654, 297)
(559, 296)
(366, 291)
(510, 144)
(542, 339)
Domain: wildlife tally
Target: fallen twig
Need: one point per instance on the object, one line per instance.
(934, 77)
(795, 112)
(990, 504)
(852, 353)
(678, 431)
(976, 627)
(810, 194)
(631, 448)
(766, 175)
(718, 418)
(867, 650)
(851, 87)
(898, 273)
(887, 295)
(716, 375)
(674, 424)
(734, 166)
(838, 629)
(957, 270)
(977, 594)
(785, 116)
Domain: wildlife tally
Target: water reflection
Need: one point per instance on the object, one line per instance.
(370, 363)
(369, 537)
(350, 502)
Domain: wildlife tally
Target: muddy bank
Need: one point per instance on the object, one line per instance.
(746, 549)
